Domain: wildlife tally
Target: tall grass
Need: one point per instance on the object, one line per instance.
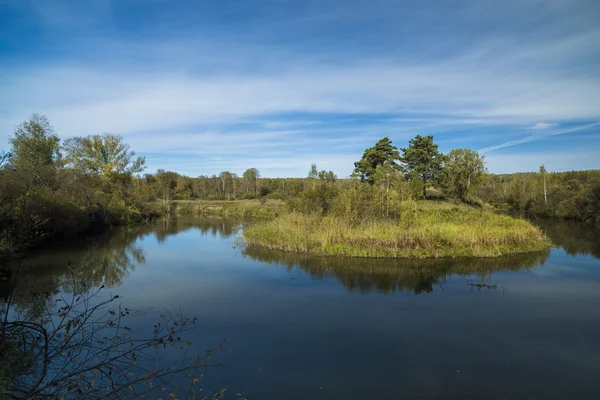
(424, 230)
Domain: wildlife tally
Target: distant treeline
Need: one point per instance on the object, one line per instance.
(570, 195)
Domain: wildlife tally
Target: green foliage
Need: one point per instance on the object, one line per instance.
(247, 209)
(313, 173)
(422, 161)
(570, 195)
(106, 155)
(317, 198)
(382, 154)
(34, 144)
(40, 198)
(462, 174)
(382, 200)
(250, 180)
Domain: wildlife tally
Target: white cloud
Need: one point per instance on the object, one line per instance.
(86, 100)
(543, 125)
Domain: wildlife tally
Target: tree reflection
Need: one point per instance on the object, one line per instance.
(574, 238)
(389, 275)
(105, 259)
(213, 226)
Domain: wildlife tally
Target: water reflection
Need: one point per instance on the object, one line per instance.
(105, 259)
(213, 226)
(574, 238)
(418, 276)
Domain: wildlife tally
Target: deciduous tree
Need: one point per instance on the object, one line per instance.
(250, 178)
(463, 173)
(35, 144)
(103, 155)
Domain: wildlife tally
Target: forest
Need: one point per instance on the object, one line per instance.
(50, 189)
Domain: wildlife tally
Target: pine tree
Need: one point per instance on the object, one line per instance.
(422, 160)
(383, 153)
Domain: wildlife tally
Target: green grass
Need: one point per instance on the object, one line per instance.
(425, 230)
(247, 209)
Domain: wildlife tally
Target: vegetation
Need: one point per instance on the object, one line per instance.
(422, 161)
(79, 345)
(246, 209)
(43, 195)
(463, 172)
(571, 195)
(104, 155)
(423, 230)
(383, 154)
(378, 216)
(35, 145)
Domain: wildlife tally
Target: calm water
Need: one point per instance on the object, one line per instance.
(333, 328)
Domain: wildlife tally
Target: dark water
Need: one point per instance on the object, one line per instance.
(334, 328)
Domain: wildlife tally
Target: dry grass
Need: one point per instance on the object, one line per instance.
(425, 230)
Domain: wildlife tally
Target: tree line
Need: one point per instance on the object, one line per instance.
(571, 195)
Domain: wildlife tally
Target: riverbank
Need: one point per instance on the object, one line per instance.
(246, 209)
(430, 230)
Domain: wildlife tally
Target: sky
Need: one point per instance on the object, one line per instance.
(204, 86)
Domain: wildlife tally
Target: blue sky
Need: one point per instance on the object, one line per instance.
(205, 86)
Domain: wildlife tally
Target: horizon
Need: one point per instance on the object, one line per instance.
(199, 88)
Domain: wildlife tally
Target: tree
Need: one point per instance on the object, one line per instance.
(35, 144)
(422, 160)
(226, 185)
(543, 172)
(104, 155)
(313, 173)
(382, 153)
(463, 173)
(250, 178)
(328, 176)
(167, 182)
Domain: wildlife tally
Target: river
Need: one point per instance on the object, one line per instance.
(338, 328)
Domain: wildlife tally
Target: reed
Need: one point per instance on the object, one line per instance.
(423, 230)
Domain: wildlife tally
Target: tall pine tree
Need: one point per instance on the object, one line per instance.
(422, 160)
(383, 153)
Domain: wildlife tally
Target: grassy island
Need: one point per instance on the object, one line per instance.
(426, 230)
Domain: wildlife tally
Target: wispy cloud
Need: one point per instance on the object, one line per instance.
(538, 136)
